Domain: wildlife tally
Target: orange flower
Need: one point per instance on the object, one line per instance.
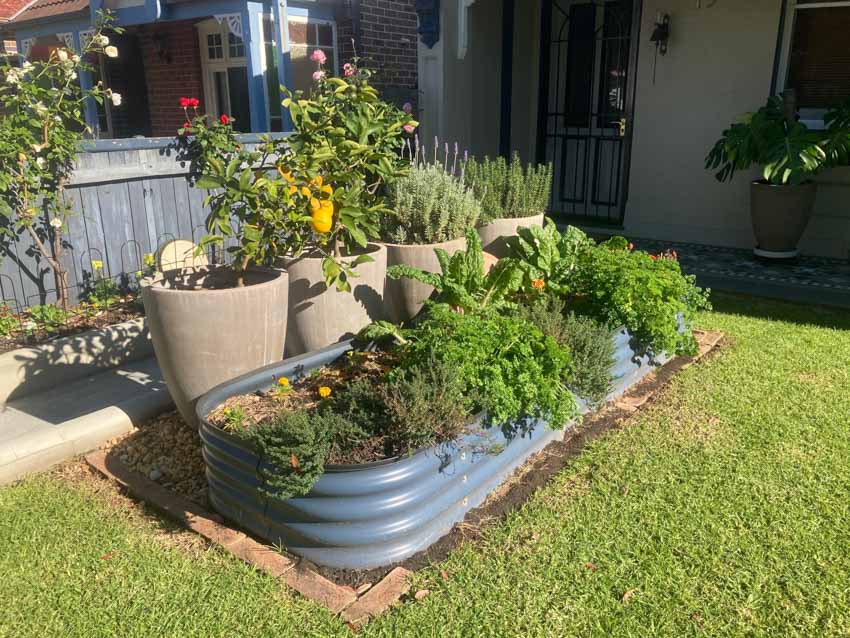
(324, 391)
(538, 284)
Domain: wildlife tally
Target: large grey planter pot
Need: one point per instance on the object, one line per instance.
(494, 233)
(319, 316)
(371, 515)
(780, 215)
(204, 337)
(404, 297)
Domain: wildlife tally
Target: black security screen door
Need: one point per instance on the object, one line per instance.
(589, 50)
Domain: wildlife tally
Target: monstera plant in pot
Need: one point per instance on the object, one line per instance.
(211, 324)
(512, 196)
(790, 155)
(431, 208)
(346, 145)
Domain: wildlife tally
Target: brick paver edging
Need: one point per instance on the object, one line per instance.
(353, 607)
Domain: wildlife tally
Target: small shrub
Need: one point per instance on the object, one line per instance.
(295, 446)
(509, 190)
(429, 206)
(425, 405)
(590, 343)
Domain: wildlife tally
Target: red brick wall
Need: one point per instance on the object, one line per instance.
(388, 45)
(177, 76)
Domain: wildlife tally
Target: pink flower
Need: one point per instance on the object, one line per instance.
(409, 128)
(349, 69)
(319, 56)
(318, 76)
(407, 108)
(184, 102)
(224, 119)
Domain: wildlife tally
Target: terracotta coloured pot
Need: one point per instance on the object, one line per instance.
(319, 316)
(780, 215)
(404, 297)
(493, 233)
(204, 334)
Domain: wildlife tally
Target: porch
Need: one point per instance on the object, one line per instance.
(626, 112)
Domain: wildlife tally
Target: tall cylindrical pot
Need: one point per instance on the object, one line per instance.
(204, 335)
(319, 316)
(404, 297)
(780, 215)
(493, 234)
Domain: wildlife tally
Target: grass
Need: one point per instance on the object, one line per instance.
(721, 510)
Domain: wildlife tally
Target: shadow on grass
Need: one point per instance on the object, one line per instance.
(776, 310)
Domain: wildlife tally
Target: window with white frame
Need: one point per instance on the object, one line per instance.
(305, 36)
(815, 56)
(225, 70)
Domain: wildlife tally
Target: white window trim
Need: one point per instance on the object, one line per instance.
(210, 67)
(813, 118)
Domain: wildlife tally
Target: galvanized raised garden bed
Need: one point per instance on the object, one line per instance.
(365, 516)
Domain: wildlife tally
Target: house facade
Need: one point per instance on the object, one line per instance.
(231, 54)
(627, 116)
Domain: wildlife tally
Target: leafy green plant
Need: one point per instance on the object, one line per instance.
(9, 323)
(510, 370)
(786, 149)
(234, 418)
(48, 317)
(42, 125)
(590, 344)
(509, 190)
(647, 294)
(346, 135)
(545, 254)
(104, 292)
(462, 283)
(429, 206)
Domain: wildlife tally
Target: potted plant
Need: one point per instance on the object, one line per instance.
(431, 209)
(790, 155)
(346, 146)
(211, 324)
(511, 196)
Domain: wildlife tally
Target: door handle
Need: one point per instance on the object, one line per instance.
(621, 125)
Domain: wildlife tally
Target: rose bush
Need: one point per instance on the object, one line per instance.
(40, 132)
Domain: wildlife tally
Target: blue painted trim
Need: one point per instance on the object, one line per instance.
(253, 37)
(52, 27)
(281, 37)
(371, 515)
(86, 81)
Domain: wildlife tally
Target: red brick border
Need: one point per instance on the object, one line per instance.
(354, 607)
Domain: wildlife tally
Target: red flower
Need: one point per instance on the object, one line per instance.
(224, 119)
(184, 102)
(194, 102)
(187, 125)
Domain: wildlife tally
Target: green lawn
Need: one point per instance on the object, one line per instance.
(723, 509)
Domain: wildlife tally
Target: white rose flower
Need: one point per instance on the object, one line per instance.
(116, 99)
(101, 40)
(111, 51)
(26, 67)
(62, 54)
(39, 162)
(12, 77)
(56, 222)
(40, 109)
(75, 58)
(73, 75)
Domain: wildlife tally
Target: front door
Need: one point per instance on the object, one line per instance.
(588, 57)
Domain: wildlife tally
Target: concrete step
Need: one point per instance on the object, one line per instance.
(56, 423)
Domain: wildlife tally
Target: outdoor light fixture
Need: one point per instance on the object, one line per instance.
(160, 47)
(661, 33)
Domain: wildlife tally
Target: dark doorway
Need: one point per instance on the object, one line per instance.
(586, 108)
(126, 75)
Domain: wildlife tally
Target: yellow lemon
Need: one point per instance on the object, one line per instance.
(327, 189)
(315, 205)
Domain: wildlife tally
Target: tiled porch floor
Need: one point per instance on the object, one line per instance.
(816, 280)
